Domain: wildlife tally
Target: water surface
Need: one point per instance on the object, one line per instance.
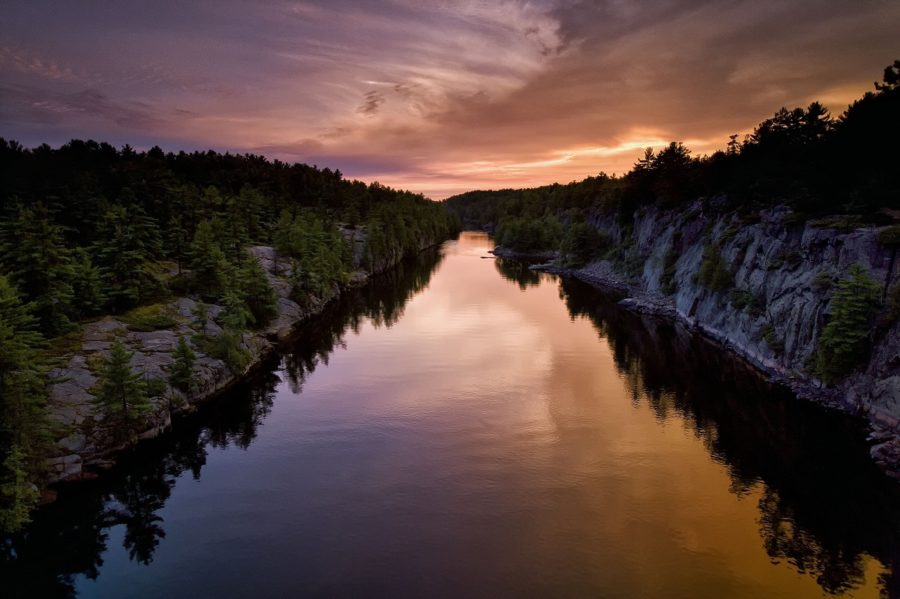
(465, 427)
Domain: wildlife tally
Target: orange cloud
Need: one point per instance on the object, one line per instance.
(436, 97)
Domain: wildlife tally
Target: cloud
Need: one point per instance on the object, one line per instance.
(440, 96)
(371, 103)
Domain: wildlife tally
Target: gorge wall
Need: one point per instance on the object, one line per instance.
(780, 299)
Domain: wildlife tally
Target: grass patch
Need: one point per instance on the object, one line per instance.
(149, 318)
(65, 344)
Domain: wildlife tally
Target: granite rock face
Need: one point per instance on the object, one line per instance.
(784, 276)
(83, 442)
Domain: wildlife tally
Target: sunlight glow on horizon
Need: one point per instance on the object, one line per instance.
(435, 98)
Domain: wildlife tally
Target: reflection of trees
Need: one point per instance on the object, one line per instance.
(824, 503)
(518, 272)
(69, 537)
(382, 302)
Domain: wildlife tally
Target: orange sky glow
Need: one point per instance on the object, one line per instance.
(438, 97)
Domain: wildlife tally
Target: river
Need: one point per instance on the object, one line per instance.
(466, 427)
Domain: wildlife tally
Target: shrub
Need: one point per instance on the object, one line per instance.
(667, 282)
(746, 300)
(229, 348)
(581, 243)
(890, 236)
(772, 340)
(823, 281)
(714, 272)
(844, 342)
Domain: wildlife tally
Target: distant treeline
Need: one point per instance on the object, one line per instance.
(804, 158)
(88, 229)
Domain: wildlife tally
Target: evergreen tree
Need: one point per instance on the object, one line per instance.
(34, 253)
(208, 262)
(181, 375)
(257, 292)
(235, 315)
(236, 236)
(89, 298)
(122, 398)
(24, 430)
(844, 342)
(283, 236)
(177, 240)
(253, 208)
(128, 240)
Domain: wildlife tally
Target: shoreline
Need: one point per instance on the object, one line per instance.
(83, 455)
(884, 429)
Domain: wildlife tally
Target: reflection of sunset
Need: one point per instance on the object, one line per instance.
(530, 408)
(435, 97)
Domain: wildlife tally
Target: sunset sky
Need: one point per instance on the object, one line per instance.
(438, 97)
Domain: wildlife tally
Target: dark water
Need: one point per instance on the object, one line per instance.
(466, 427)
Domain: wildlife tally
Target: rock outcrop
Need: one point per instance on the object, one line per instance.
(85, 445)
(776, 306)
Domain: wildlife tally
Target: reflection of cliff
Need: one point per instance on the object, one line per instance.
(824, 503)
(69, 537)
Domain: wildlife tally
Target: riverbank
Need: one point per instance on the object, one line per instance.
(776, 305)
(86, 448)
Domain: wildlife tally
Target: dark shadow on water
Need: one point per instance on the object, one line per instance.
(518, 272)
(824, 502)
(69, 537)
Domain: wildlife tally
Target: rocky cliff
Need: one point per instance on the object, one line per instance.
(85, 446)
(777, 299)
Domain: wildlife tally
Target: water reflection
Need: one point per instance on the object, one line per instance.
(467, 483)
(824, 504)
(519, 272)
(68, 538)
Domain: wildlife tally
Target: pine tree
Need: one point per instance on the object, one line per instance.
(89, 297)
(235, 315)
(257, 292)
(177, 240)
(181, 375)
(283, 236)
(208, 262)
(24, 430)
(33, 251)
(844, 342)
(236, 236)
(122, 399)
(127, 241)
(252, 204)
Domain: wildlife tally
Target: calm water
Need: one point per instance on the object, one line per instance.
(465, 427)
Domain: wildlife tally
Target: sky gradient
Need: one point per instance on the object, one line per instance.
(438, 97)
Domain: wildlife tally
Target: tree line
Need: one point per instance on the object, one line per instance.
(840, 171)
(88, 229)
(805, 158)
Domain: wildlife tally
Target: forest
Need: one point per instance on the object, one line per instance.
(87, 230)
(805, 158)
